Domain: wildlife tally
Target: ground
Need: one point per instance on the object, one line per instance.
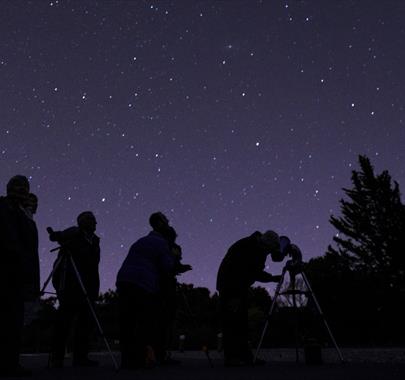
(386, 364)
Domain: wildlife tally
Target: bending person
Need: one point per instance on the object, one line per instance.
(243, 264)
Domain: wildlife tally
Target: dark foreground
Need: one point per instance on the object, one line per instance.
(195, 366)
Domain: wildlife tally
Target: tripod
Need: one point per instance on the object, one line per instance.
(295, 268)
(64, 259)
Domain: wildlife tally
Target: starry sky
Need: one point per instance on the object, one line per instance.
(228, 116)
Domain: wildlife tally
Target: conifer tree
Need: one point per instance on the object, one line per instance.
(371, 228)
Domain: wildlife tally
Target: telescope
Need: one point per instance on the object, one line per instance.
(292, 251)
(58, 237)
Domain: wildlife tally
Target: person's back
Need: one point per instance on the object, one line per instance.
(148, 260)
(139, 282)
(239, 268)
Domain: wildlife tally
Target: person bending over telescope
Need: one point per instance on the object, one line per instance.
(243, 265)
(84, 245)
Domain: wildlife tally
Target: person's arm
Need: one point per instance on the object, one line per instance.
(259, 273)
(65, 236)
(182, 268)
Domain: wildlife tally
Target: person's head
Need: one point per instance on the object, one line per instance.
(18, 188)
(31, 203)
(271, 243)
(158, 221)
(87, 221)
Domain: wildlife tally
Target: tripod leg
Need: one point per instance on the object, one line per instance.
(322, 316)
(93, 312)
(48, 280)
(266, 325)
(292, 278)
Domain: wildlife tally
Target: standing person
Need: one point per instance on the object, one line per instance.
(31, 280)
(168, 294)
(139, 280)
(243, 264)
(83, 245)
(13, 221)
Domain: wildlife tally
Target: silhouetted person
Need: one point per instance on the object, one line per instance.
(84, 246)
(31, 282)
(243, 265)
(15, 277)
(139, 282)
(168, 295)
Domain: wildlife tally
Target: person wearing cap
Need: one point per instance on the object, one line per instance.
(13, 275)
(243, 265)
(83, 245)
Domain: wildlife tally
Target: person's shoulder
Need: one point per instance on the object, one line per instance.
(152, 240)
(244, 244)
(158, 241)
(252, 239)
(144, 240)
(72, 230)
(249, 239)
(255, 235)
(72, 233)
(156, 236)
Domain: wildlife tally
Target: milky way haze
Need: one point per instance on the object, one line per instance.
(228, 116)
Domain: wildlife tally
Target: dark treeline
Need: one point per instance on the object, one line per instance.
(359, 283)
(349, 300)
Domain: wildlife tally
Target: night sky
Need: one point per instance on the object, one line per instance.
(228, 116)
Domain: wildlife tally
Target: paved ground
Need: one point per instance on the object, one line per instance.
(195, 366)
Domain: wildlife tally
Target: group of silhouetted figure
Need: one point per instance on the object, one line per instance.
(146, 286)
